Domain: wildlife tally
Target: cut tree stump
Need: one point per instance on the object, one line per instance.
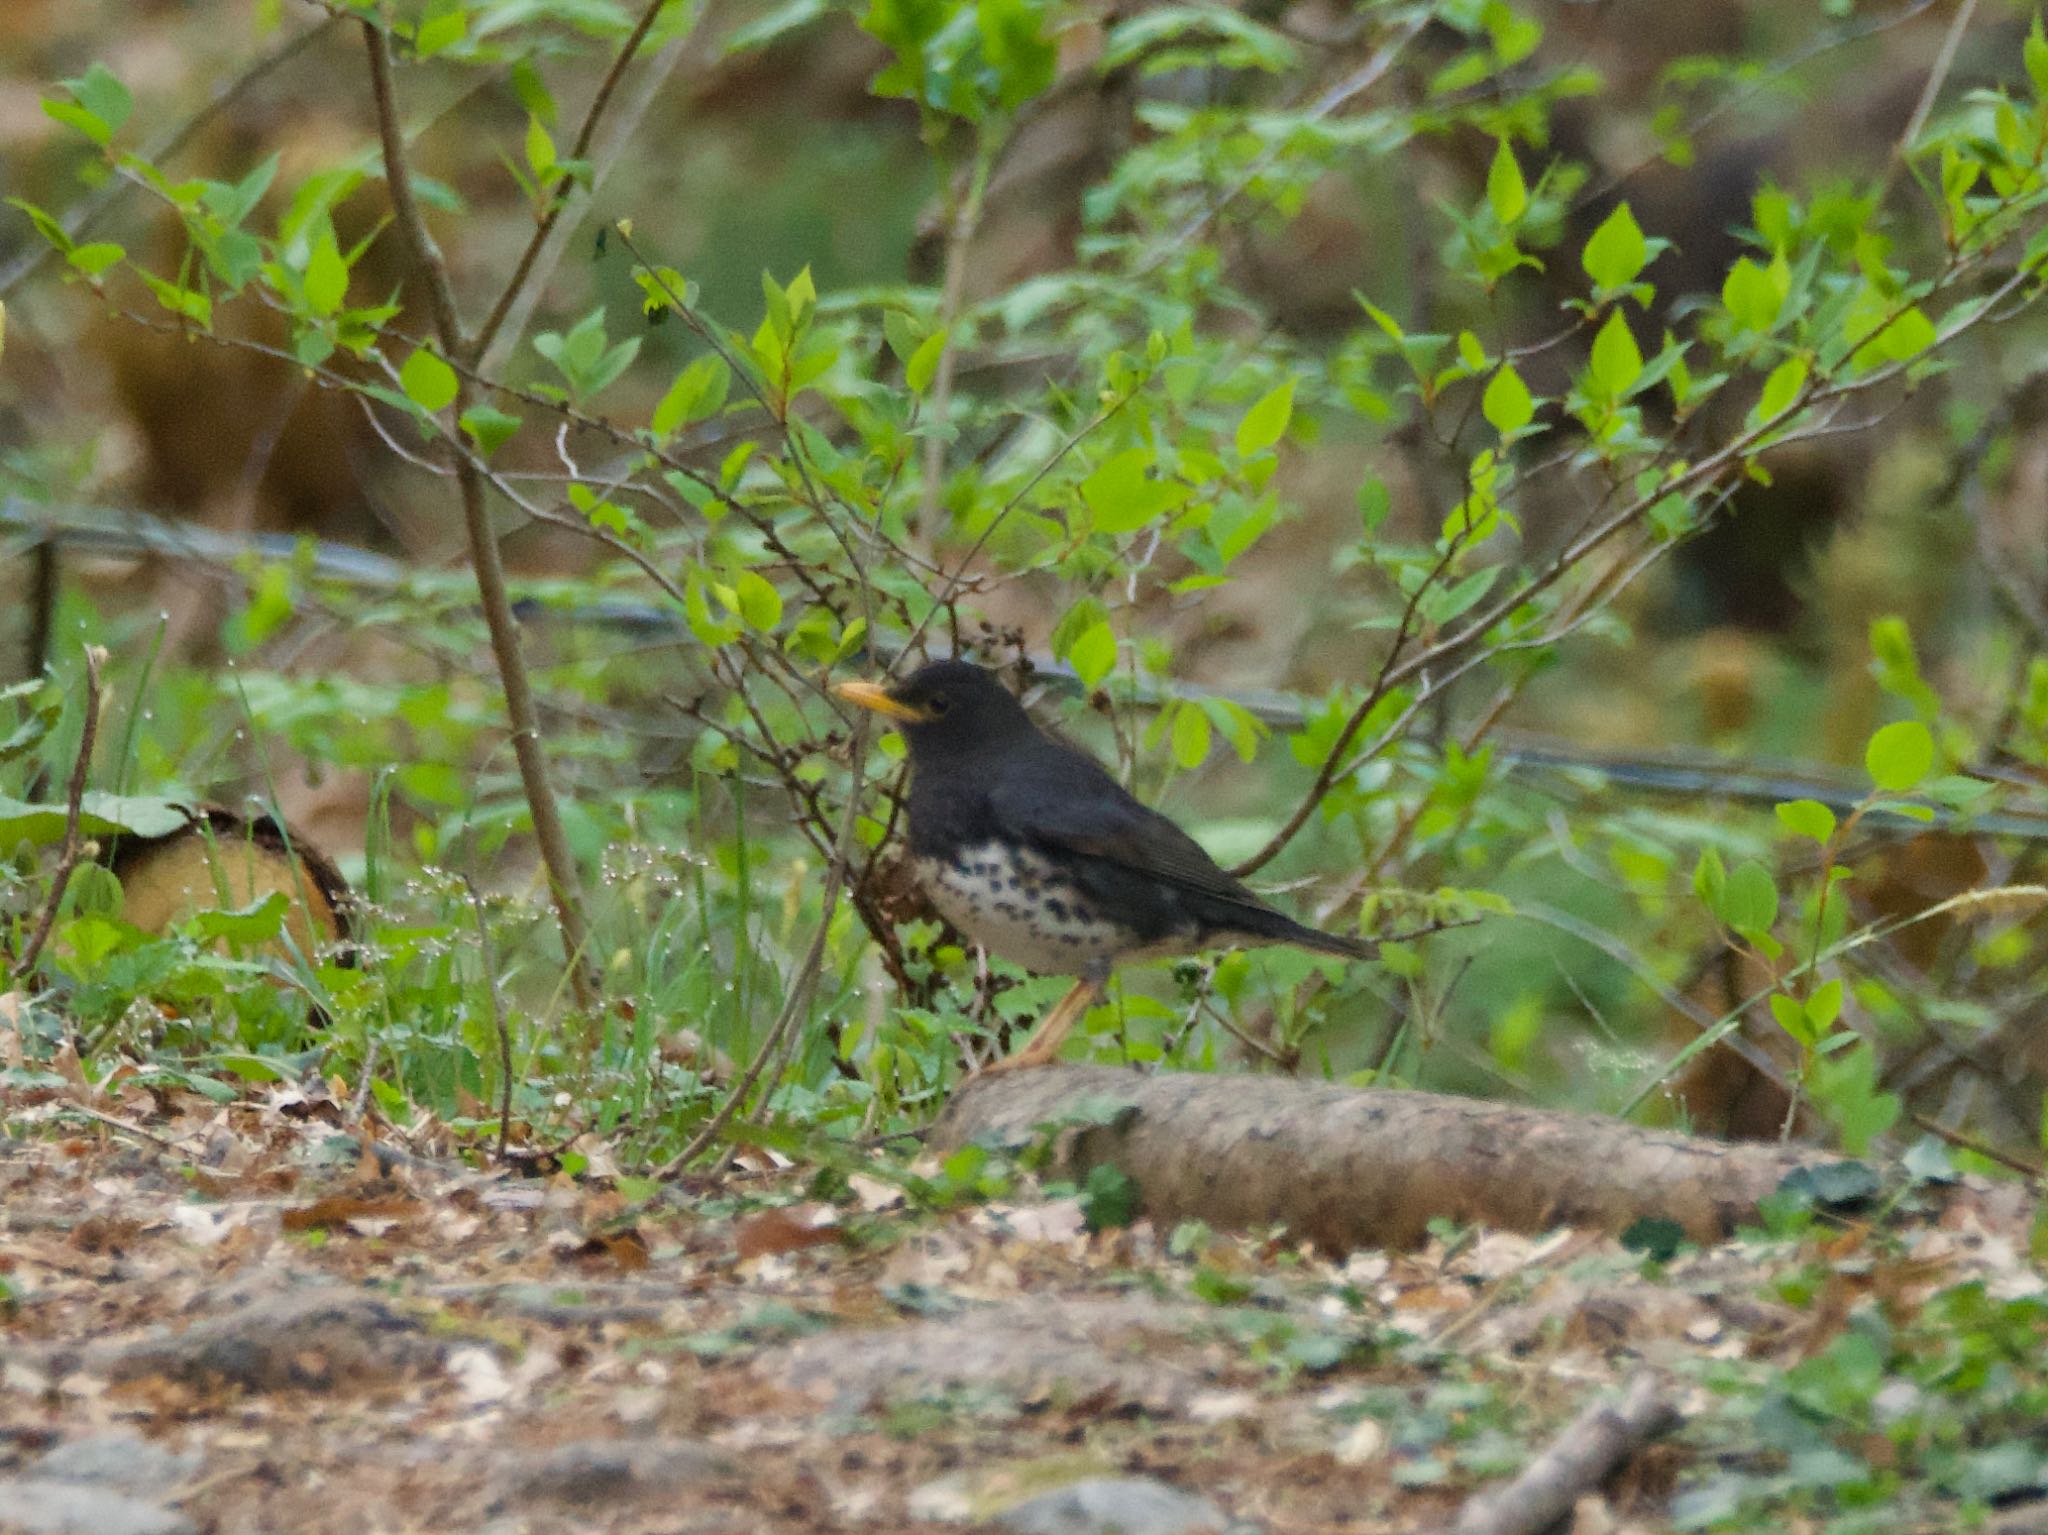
(1365, 1167)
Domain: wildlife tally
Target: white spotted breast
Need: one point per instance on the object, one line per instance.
(1014, 904)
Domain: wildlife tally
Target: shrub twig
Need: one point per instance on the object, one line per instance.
(89, 211)
(488, 956)
(74, 808)
(527, 747)
(558, 197)
(803, 984)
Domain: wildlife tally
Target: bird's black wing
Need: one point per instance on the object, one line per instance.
(1132, 861)
(1062, 799)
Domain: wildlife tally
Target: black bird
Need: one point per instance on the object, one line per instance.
(1033, 851)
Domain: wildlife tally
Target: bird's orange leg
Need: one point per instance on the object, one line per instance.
(1043, 1047)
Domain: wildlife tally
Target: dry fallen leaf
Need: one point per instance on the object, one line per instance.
(786, 1229)
(13, 1014)
(1054, 1220)
(1364, 1442)
(875, 1194)
(352, 1211)
(481, 1379)
(1222, 1406)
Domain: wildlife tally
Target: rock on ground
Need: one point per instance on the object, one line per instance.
(1116, 1506)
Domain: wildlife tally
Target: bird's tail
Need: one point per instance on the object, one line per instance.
(1253, 923)
(1332, 943)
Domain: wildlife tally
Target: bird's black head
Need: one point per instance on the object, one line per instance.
(947, 707)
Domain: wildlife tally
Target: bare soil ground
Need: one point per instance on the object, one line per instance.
(224, 1319)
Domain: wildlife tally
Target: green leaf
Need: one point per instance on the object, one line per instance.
(104, 97)
(46, 226)
(233, 202)
(254, 1068)
(1752, 296)
(489, 427)
(1109, 1198)
(326, 276)
(72, 115)
(699, 391)
(903, 333)
(705, 624)
(180, 300)
(1084, 612)
(1899, 755)
(1190, 735)
(1897, 665)
(90, 941)
(803, 297)
(1792, 1018)
(1121, 499)
(1845, 1086)
(776, 22)
(1655, 1237)
(2035, 54)
(759, 603)
(1515, 36)
(100, 815)
(1750, 902)
(1710, 880)
(924, 362)
(1506, 403)
(1824, 1006)
(1240, 727)
(1020, 52)
(1093, 653)
(259, 922)
(540, 149)
(1266, 422)
(1781, 389)
(1617, 361)
(1165, 37)
(1807, 818)
(1909, 335)
(663, 290)
(1506, 193)
(427, 381)
(612, 364)
(95, 258)
(439, 32)
(1617, 251)
(39, 719)
(582, 355)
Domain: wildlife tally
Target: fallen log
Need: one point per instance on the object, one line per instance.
(1365, 1167)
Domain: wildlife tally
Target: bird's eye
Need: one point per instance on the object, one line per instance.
(938, 704)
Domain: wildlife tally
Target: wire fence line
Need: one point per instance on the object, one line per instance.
(25, 524)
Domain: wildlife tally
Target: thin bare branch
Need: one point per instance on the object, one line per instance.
(527, 746)
(1930, 92)
(74, 845)
(1589, 1450)
(558, 198)
(487, 958)
(803, 985)
(959, 239)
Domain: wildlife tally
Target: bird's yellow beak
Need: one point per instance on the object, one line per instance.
(872, 696)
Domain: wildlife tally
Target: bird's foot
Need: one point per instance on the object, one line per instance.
(1043, 1047)
(1023, 1060)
